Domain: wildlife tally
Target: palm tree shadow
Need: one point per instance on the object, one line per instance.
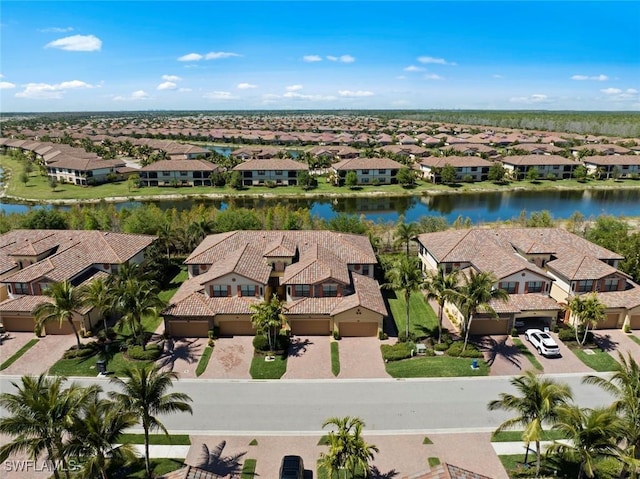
(493, 349)
(605, 342)
(375, 473)
(182, 349)
(214, 462)
(388, 324)
(298, 347)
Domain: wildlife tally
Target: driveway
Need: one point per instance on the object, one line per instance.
(502, 355)
(566, 363)
(10, 343)
(39, 358)
(309, 358)
(616, 341)
(231, 358)
(181, 355)
(362, 358)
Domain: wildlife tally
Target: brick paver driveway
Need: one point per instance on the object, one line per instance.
(231, 358)
(502, 355)
(361, 358)
(11, 342)
(181, 355)
(309, 358)
(43, 355)
(616, 341)
(567, 363)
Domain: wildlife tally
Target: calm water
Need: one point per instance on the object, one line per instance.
(478, 206)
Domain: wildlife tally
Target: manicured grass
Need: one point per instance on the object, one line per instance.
(600, 361)
(254, 442)
(516, 436)
(426, 440)
(527, 354)
(248, 469)
(422, 318)
(634, 338)
(204, 360)
(157, 439)
(18, 354)
(159, 466)
(335, 358)
(116, 365)
(433, 461)
(435, 366)
(261, 369)
(166, 294)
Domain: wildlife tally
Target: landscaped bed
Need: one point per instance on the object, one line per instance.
(435, 366)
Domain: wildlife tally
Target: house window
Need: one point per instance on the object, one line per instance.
(365, 180)
(611, 284)
(330, 290)
(382, 172)
(183, 173)
(534, 287)
(278, 172)
(365, 172)
(261, 172)
(195, 270)
(365, 269)
(585, 285)
(302, 290)
(166, 173)
(20, 288)
(247, 290)
(219, 291)
(510, 287)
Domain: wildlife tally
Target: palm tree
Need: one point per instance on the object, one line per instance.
(624, 386)
(268, 319)
(94, 433)
(135, 300)
(347, 449)
(361, 452)
(404, 233)
(66, 301)
(38, 417)
(442, 288)
(535, 405)
(587, 311)
(97, 294)
(592, 435)
(144, 393)
(405, 275)
(475, 295)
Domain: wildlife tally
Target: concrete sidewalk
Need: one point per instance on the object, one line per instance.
(512, 448)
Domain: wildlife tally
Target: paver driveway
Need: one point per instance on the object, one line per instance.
(362, 358)
(42, 356)
(182, 355)
(11, 342)
(231, 358)
(616, 341)
(309, 358)
(567, 363)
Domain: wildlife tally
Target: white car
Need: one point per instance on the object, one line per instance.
(543, 342)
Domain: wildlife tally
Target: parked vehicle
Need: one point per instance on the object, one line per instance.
(292, 467)
(543, 342)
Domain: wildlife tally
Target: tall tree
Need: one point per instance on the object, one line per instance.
(268, 319)
(536, 404)
(405, 275)
(624, 386)
(135, 300)
(347, 448)
(592, 435)
(38, 416)
(144, 392)
(475, 295)
(65, 302)
(97, 294)
(441, 287)
(404, 233)
(587, 311)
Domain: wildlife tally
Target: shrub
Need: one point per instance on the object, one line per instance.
(567, 334)
(627, 328)
(336, 335)
(382, 335)
(396, 352)
(282, 342)
(441, 347)
(84, 352)
(514, 333)
(403, 338)
(260, 342)
(211, 334)
(471, 351)
(152, 352)
(211, 343)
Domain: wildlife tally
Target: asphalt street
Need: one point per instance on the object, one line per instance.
(386, 405)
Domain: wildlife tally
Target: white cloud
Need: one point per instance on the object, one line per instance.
(611, 91)
(617, 94)
(531, 99)
(341, 59)
(245, 86)
(173, 78)
(51, 91)
(218, 55)
(190, 57)
(219, 95)
(413, 68)
(354, 94)
(587, 77)
(168, 85)
(299, 96)
(311, 58)
(496, 75)
(5, 85)
(433, 76)
(77, 43)
(436, 61)
(293, 87)
(56, 30)
(135, 96)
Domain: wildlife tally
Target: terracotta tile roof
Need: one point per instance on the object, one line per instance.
(22, 304)
(367, 164)
(198, 304)
(367, 295)
(521, 303)
(607, 160)
(580, 267)
(180, 165)
(448, 471)
(316, 264)
(246, 261)
(455, 161)
(272, 164)
(629, 298)
(543, 160)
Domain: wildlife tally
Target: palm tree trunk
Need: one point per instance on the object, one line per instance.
(441, 307)
(75, 331)
(56, 474)
(538, 461)
(407, 297)
(466, 333)
(147, 462)
(586, 331)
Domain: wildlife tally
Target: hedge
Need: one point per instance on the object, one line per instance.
(471, 351)
(396, 352)
(152, 352)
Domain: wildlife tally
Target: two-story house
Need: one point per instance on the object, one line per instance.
(473, 168)
(368, 171)
(177, 173)
(547, 166)
(279, 172)
(324, 278)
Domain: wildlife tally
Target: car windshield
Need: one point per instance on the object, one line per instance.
(545, 336)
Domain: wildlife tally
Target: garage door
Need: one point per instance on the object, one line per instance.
(310, 327)
(236, 328)
(189, 329)
(54, 327)
(610, 322)
(358, 329)
(634, 321)
(18, 324)
(489, 326)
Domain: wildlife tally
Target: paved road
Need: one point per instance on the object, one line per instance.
(387, 406)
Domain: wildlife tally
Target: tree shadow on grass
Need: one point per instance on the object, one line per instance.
(605, 342)
(213, 461)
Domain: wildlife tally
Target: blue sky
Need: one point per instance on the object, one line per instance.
(146, 55)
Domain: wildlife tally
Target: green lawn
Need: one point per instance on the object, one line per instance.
(634, 338)
(516, 436)
(204, 360)
(166, 294)
(435, 367)
(18, 354)
(600, 361)
(422, 318)
(116, 365)
(158, 468)
(335, 358)
(261, 369)
(527, 354)
(161, 439)
(248, 469)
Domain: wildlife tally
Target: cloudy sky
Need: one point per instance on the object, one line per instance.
(204, 55)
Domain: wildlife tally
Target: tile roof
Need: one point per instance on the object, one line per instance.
(22, 304)
(533, 160)
(246, 261)
(448, 471)
(580, 267)
(455, 161)
(180, 165)
(629, 298)
(522, 303)
(612, 160)
(316, 264)
(271, 164)
(367, 163)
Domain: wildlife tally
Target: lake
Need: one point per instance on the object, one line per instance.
(480, 207)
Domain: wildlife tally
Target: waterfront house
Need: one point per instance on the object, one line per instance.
(279, 172)
(178, 173)
(609, 166)
(368, 171)
(548, 166)
(471, 168)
